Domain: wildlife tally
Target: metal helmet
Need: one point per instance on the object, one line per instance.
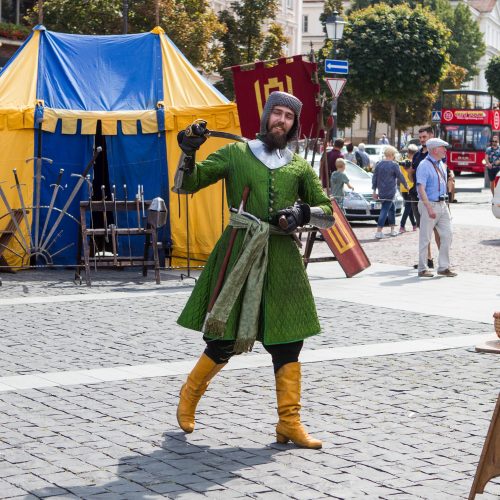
(157, 213)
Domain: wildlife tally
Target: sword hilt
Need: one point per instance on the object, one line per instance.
(59, 178)
(197, 129)
(34, 158)
(16, 178)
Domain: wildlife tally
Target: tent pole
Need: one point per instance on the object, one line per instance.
(125, 16)
(157, 12)
(40, 11)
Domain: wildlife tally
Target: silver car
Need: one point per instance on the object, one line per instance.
(359, 204)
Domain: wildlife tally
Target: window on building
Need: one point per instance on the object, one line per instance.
(289, 4)
(305, 24)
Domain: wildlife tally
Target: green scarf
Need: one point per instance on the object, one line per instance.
(248, 275)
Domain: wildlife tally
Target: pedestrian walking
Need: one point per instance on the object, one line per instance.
(383, 139)
(384, 182)
(492, 160)
(433, 207)
(406, 170)
(424, 134)
(265, 295)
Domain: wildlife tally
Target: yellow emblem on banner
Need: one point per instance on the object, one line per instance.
(340, 236)
(271, 85)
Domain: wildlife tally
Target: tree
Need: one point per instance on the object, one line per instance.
(467, 45)
(394, 53)
(191, 24)
(244, 40)
(274, 43)
(493, 76)
(96, 17)
(251, 14)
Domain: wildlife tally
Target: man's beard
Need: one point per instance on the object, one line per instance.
(274, 141)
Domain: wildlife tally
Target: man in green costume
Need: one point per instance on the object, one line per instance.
(266, 294)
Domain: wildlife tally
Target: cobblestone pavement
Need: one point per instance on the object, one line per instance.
(394, 427)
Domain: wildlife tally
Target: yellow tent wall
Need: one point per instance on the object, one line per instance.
(17, 104)
(206, 213)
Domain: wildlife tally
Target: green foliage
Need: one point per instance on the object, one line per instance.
(250, 15)
(274, 43)
(415, 109)
(467, 45)
(94, 17)
(493, 76)
(191, 24)
(364, 4)
(14, 31)
(394, 52)
(453, 78)
(244, 40)
(349, 106)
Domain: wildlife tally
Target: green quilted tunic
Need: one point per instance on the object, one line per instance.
(287, 311)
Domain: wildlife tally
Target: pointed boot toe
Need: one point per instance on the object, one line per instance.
(298, 436)
(192, 391)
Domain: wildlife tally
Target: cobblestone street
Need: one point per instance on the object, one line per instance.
(90, 377)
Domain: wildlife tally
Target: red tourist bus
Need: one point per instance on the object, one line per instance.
(468, 119)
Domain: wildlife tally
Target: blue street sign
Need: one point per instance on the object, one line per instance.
(335, 66)
(436, 116)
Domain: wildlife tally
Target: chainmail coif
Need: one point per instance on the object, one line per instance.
(281, 99)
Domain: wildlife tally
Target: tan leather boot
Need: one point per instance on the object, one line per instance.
(193, 389)
(289, 427)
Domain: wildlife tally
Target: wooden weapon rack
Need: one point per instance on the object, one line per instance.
(113, 233)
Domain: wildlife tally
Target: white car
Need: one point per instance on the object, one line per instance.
(375, 152)
(359, 204)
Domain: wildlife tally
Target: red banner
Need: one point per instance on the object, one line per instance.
(342, 241)
(293, 75)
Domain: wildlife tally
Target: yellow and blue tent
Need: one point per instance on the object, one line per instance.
(60, 94)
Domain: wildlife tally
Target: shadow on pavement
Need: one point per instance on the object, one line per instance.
(491, 243)
(176, 467)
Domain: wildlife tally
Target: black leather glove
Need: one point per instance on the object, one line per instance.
(192, 138)
(291, 218)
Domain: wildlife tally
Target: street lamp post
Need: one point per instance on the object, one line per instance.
(334, 31)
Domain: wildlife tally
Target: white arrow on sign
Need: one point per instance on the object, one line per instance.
(336, 85)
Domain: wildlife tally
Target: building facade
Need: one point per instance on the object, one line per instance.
(487, 15)
(289, 16)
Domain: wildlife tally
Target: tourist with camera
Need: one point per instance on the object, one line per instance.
(433, 208)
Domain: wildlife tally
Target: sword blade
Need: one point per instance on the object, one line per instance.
(72, 195)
